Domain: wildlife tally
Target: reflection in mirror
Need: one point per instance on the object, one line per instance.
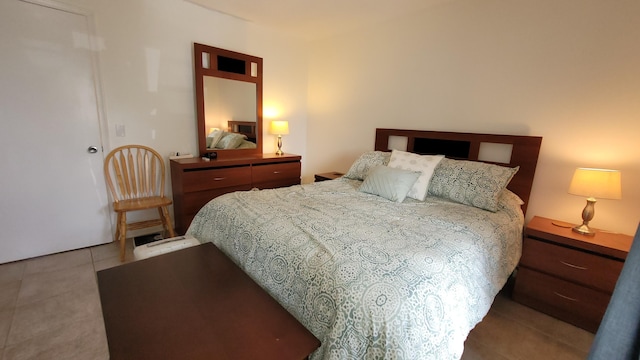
(230, 105)
(228, 102)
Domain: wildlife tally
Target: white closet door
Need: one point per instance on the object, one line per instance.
(52, 192)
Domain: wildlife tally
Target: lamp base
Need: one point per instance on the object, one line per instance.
(279, 152)
(584, 230)
(587, 215)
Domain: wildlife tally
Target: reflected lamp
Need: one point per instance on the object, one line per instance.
(594, 183)
(279, 127)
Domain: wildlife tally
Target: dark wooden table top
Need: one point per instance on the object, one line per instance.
(195, 304)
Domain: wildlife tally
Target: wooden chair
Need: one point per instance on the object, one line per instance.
(139, 175)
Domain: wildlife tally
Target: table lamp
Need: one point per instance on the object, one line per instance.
(594, 183)
(279, 127)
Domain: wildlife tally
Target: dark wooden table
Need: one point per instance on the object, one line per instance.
(193, 304)
(328, 176)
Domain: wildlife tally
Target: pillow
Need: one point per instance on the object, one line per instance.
(366, 162)
(425, 164)
(510, 202)
(230, 141)
(246, 144)
(471, 183)
(213, 138)
(389, 183)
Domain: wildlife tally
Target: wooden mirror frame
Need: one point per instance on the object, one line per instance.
(213, 70)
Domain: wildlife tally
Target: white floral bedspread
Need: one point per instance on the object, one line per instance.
(372, 279)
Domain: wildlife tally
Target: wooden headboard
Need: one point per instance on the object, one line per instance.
(467, 146)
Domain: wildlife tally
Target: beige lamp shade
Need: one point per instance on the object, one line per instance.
(279, 127)
(596, 183)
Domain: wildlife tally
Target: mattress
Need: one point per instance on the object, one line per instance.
(371, 278)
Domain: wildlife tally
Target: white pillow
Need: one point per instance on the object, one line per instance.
(425, 164)
(215, 137)
(389, 183)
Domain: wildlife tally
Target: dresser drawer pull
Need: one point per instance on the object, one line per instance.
(276, 172)
(565, 297)
(218, 179)
(573, 266)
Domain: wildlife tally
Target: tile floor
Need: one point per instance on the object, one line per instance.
(50, 309)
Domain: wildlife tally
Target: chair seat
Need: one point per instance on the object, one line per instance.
(141, 203)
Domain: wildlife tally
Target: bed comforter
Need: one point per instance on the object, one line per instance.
(372, 279)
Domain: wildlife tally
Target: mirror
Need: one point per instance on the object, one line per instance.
(228, 102)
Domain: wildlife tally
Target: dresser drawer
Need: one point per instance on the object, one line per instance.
(579, 305)
(276, 172)
(577, 266)
(206, 179)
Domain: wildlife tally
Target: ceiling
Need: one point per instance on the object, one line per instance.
(314, 19)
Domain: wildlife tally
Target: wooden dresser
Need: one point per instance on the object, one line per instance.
(568, 275)
(195, 181)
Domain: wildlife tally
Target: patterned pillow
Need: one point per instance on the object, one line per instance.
(425, 164)
(390, 183)
(230, 141)
(469, 182)
(366, 162)
(213, 138)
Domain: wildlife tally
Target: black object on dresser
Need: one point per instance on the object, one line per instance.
(328, 176)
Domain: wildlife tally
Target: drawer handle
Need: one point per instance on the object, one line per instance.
(276, 172)
(565, 297)
(573, 266)
(218, 179)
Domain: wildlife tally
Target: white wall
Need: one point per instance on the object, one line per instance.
(146, 69)
(146, 66)
(564, 70)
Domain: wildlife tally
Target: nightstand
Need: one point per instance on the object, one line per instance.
(568, 275)
(328, 176)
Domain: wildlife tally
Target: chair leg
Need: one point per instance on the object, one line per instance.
(117, 237)
(166, 220)
(122, 232)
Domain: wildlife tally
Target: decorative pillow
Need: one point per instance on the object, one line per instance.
(425, 164)
(508, 201)
(213, 138)
(230, 141)
(366, 162)
(469, 182)
(509, 197)
(389, 183)
(246, 144)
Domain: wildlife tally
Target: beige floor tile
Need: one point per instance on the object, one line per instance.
(475, 350)
(516, 341)
(9, 294)
(559, 330)
(55, 313)
(11, 272)
(105, 251)
(109, 263)
(106, 262)
(81, 340)
(5, 325)
(57, 261)
(43, 285)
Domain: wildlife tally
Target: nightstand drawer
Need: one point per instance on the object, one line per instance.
(573, 303)
(570, 264)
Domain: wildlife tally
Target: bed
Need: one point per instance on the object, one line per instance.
(375, 278)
